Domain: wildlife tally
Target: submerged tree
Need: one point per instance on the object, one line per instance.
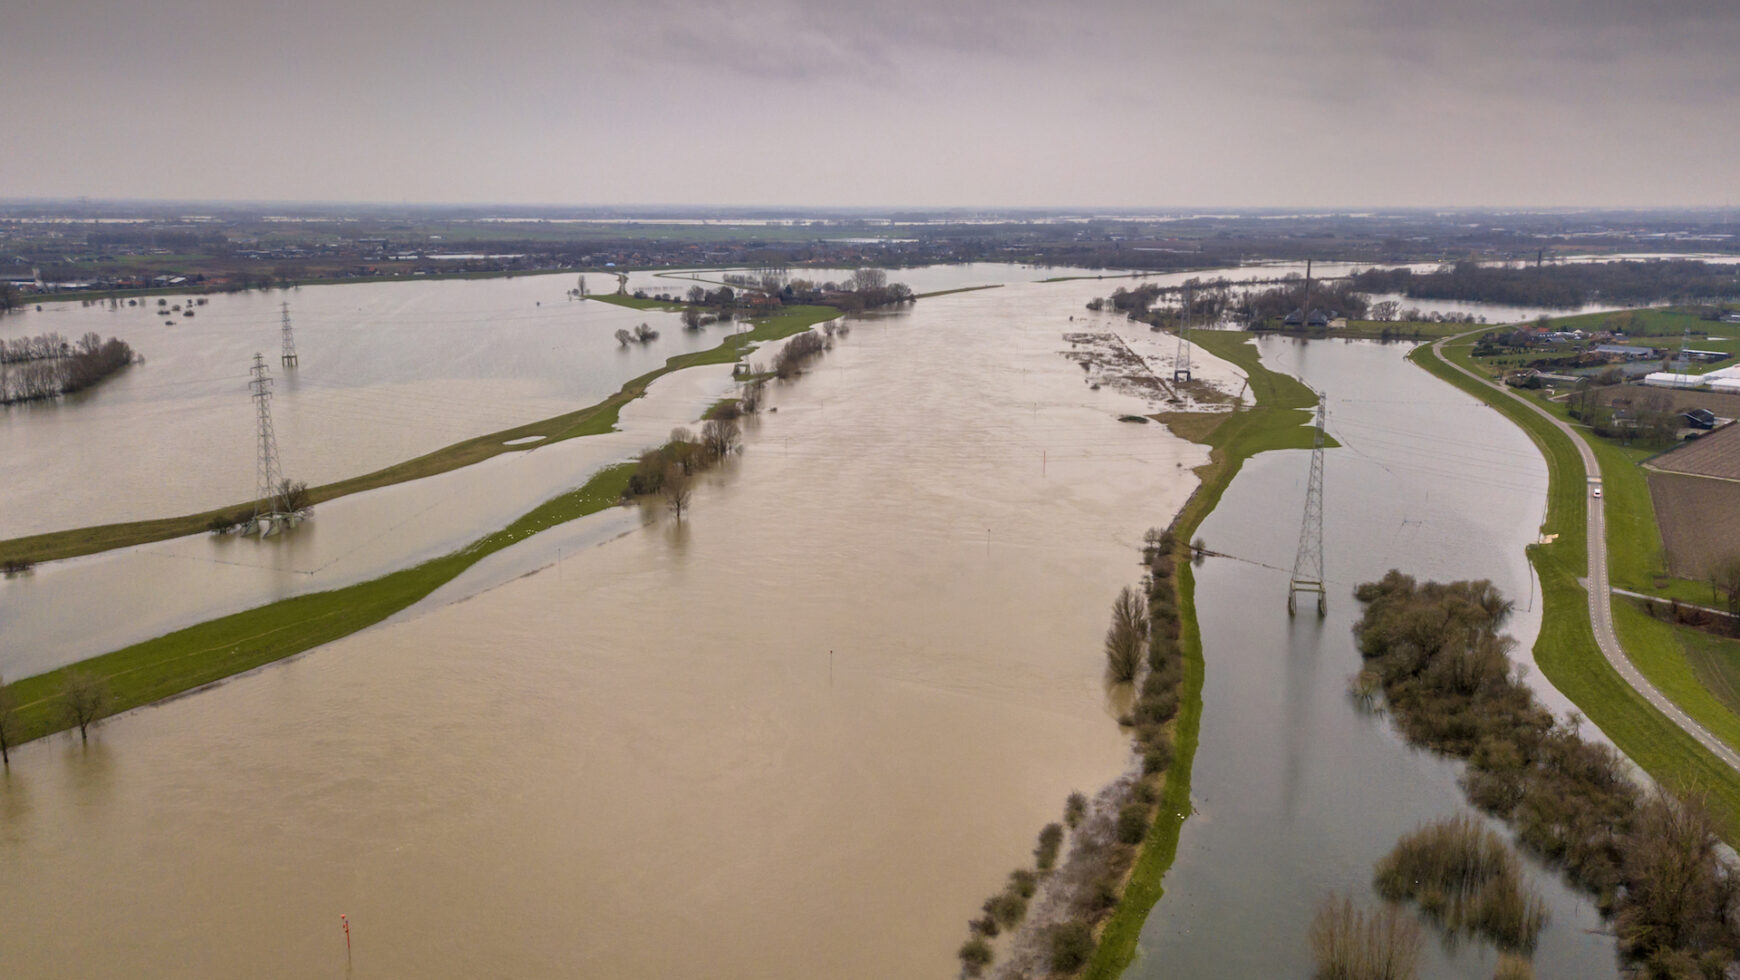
(1126, 636)
(85, 700)
(8, 705)
(677, 489)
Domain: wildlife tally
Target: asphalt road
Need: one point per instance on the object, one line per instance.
(1595, 582)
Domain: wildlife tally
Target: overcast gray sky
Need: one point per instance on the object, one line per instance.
(882, 102)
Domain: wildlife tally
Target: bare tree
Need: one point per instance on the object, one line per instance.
(294, 493)
(697, 294)
(867, 279)
(692, 317)
(624, 338)
(720, 436)
(677, 489)
(85, 698)
(1125, 636)
(8, 706)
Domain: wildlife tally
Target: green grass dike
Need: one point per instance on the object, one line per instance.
(1279, 418)
(592, 420)
(1566, 650)
(194, 657)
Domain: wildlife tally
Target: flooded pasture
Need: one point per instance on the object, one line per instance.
(803, 732)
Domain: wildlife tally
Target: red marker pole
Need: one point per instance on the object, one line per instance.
(346, 922)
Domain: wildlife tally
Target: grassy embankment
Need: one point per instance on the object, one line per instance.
(1689, 667)
(595, 419)
(1566, 649)
(1279, 419)
(199, 655)
(961, 289)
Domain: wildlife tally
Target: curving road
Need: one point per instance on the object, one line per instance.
(1596, 585)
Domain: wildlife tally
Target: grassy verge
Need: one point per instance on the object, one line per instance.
(963, 289)
(1636, 561)
(1278, 420)
(592, 420)
(204, 654)
(1566, 649)
(1716, 661)
(619, 299)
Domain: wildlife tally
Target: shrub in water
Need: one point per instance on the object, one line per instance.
(1050, 839)
(1071, 945)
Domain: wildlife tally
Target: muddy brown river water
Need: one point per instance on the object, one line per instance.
(805, 732)
(801, 734)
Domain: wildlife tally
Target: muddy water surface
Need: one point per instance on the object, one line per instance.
(804, 733)
(1298, 793)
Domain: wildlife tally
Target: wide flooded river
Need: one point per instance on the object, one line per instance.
(803, 733)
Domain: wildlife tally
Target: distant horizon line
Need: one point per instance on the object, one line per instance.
(791, 210)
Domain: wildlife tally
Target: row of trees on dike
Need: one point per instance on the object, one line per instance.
(84, 700)
(669, 470)
(1143, 656)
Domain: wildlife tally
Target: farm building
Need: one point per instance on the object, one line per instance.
(1627, 352)
(1673, 379)
(1696, 490)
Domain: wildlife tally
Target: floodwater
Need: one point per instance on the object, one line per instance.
(387, 372)
(1298, 793)
(807, 731)
(804, 733)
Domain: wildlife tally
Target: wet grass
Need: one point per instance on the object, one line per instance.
(194, 657)
(1277, 420)
(592, 420)
(1565, 649)
(963, 289)
(619, 299)
(1716, 661)
(1659, 649)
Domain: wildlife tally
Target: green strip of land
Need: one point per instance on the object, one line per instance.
(592, 420)
(211, 651)
(1566, 649)
(962, 289)
(1278, 420)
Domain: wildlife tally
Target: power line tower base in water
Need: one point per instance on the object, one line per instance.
(1308, 563)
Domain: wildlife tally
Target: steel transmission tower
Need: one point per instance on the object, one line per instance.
(1181, 363)
(1308, 564)
(269, 507)
(289, 355)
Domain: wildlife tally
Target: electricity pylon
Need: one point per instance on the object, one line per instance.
(269, 505)
(289, 356)
(1308, 564)
(1181, 363)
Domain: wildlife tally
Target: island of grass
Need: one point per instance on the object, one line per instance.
(588, 421)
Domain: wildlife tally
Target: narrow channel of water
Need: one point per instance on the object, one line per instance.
(1297, 793)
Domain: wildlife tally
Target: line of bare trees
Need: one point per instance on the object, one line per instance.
(46, 366)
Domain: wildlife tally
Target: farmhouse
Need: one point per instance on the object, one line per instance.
(1700, 418)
